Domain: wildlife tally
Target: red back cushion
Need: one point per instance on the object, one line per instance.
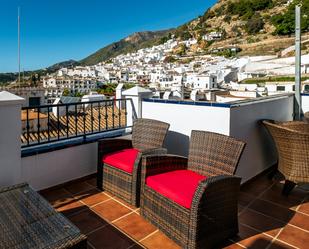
(178, 185)
(123, 159)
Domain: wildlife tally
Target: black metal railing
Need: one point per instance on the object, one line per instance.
(52, 123)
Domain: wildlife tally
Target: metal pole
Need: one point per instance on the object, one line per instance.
(18, 21)
(297, 102)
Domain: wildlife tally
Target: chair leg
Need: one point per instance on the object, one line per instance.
(288, 187)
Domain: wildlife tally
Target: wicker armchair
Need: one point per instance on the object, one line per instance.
(292, 142)
(119, 160)
(194, 200)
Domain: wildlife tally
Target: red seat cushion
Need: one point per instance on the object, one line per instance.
(123, 159)
(178, 185)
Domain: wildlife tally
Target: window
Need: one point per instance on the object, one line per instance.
(281, 88)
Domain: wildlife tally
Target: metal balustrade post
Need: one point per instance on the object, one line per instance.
(67, 120)
(38, 124)
(27, 127)
(84, 119)
(48, 125)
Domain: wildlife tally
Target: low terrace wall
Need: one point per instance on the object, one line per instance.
(239, 119)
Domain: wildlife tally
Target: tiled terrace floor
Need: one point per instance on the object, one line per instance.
(267, 219)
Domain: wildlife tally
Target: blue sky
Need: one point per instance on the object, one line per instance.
(58, 30)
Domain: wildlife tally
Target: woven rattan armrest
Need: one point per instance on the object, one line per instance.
(222, 184)
(214, 210)
(215, 202)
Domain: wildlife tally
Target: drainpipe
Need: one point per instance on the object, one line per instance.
(297, 101)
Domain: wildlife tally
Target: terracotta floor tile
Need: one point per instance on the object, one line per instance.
(92, 181)
(279, 245)
(251, 238)
(232, 246)
(56, 195)
(111, 210)
(109, 237)
(271, 203)
(135, 226)
(136, 246)
(78, 187)
(274, 194)
(89, 246)
(272, 210)
(71, 207)
(125, 203)
(304, 207)
(92, 197)
(228, 244)
(257, 186)
(159, 240)
(87, 221)
(301, 221)
(244, 199)
(240, 209)
(260, 222)
(300, 192)
(295, 237)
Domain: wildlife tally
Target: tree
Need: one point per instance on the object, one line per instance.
(255, 24)
(66, 92)
(169, 59)
(33, 80)
(285, 23)
(78, 94)
(181, 50)
(163, 40)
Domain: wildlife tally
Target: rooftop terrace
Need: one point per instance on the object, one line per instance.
(266, 218)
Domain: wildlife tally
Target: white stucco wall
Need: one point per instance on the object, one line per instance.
(10, 128)
(305, 103)
(50, 169)
(260, 152)
(185, 118)
(240, 121)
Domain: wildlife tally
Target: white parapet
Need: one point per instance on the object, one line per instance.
(239, 119)
(136, 94)
(10, 144)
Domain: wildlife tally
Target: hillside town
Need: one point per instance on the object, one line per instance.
(173, 76)
(175, 69)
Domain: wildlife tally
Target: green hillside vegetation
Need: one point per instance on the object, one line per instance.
(246, 9)
(285, 23)
(7, 77)
(272, 79)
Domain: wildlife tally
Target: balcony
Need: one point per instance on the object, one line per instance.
(266, 218)
(61, 164)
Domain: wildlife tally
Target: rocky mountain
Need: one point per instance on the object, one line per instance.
(256, 26)
(57, 66)
(129, 44)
